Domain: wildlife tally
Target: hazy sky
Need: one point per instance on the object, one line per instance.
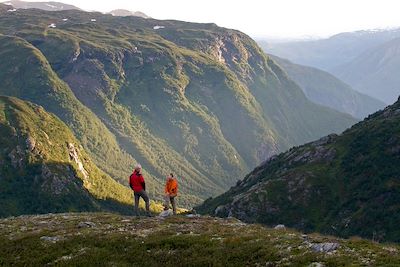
(277, 18)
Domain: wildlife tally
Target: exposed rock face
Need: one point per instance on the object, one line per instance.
(30, 143)
(325, 247)
(17, 157)
(52, 239)
(86, 225)
(74, 156)
(56, 183)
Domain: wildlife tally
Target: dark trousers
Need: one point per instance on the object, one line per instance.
(167, 200)
(138, 195)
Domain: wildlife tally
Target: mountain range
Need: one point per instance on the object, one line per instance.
(325, 89)
(366, 60)
(332, 52)
(48, 6)
(202, 101)
(58, 6)
(340, 184)
(375, 71)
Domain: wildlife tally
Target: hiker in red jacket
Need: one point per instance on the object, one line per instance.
(136, 182)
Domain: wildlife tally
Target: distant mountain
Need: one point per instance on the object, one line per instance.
(342, 185)
(327, 54)
(43, 167)
(195, 99)
(124, 13)
(375, 72)
(325, 89)
(49, 6)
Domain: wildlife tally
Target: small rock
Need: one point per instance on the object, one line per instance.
(30, 143)
(166, 213)
(220, 210)
(325, 140)
(280, 227)
(316, 264)
(193, 215)
(86, 225)
(65, 258)
(325, 247)
(52, 239)
(17, 157)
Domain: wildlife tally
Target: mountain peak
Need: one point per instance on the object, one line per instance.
(124, 13)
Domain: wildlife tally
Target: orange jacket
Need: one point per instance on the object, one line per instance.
(171, 187)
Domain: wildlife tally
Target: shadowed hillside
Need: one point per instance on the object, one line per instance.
(343, 185)
(45, 169)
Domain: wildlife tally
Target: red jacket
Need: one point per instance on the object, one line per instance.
(136, 181)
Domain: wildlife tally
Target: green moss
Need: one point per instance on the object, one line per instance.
(177, 241)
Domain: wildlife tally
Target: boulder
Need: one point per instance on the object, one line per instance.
(86, 225)
(280, 227)
(166, 213)
(325, 247)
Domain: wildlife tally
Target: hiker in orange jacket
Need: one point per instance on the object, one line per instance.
(137, 184)
(171, 191)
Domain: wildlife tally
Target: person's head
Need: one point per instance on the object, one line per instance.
(138, 168)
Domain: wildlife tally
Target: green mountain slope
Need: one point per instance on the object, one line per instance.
(195, 99)
(325, 89)
(27, 74)
(375, 72)
(43, 167)
(99, 239)
(342, 185)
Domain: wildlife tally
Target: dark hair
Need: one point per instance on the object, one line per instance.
(172, 175)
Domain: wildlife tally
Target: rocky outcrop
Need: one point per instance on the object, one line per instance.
(74, 156)
(17, 157)
(56, 181)
(325, 247)
(30, 143)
